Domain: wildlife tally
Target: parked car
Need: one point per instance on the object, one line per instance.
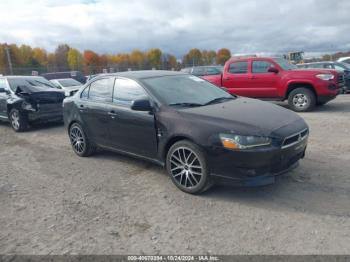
(342, 68)
(69, 85)
(277, 79)
(28, 99)
(77, 75)
(209, 73)
(198, 131)
(344, 60)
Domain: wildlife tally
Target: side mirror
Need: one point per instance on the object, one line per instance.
(142, 104)
(272, 70)
(3, 90)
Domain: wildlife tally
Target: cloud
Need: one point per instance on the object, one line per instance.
(244, 26)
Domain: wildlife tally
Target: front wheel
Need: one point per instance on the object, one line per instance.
(80, 142)
(301, 100)
(187, 166)
(19, 121)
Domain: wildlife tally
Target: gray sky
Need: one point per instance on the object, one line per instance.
(243, 26)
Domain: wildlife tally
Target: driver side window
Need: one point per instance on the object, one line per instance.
(260, 67)
(126, 91)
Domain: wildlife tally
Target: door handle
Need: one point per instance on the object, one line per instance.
(227, 78)
(252, 77)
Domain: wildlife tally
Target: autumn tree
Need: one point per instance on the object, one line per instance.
(172, 62)
(222, 56)
(40, 55)
(75, 59)
(138, 59)
(91, 60)
(155, 57)
(61, 55)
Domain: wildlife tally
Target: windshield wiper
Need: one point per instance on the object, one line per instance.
(218, 100)
(186, 104)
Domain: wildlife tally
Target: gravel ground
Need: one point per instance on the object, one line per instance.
(52, 202)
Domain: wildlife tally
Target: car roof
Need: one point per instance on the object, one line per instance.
(59, 79)
(24, 77)
(142, 74)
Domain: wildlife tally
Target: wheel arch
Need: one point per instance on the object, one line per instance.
(171, 141)
(293, 86)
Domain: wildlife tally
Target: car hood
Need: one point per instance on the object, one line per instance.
(312, 71)
(246, 116)
(40, 94)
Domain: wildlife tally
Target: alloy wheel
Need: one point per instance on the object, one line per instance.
(77, 139)
(185, 167)
(300, 100)
(15, 120)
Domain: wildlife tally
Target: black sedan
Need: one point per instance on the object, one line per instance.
(199, 132)
(25, 100)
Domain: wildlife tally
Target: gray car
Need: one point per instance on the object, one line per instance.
(69, 85)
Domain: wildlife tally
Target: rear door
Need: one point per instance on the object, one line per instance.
(236, 78)
(132, 131)
(95, 107)
(263, 84)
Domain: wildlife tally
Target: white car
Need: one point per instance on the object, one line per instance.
(69, 85)
(344, 59)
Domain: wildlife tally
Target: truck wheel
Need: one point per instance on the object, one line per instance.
(301, 100)
(19, 122)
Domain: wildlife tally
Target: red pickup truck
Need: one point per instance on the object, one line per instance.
(277, 79)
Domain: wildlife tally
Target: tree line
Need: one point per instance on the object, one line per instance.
(24, 59)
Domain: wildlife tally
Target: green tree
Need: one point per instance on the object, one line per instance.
(222, 56)
(75, 59)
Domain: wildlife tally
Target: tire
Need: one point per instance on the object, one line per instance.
(80, 142)
(187, 167)
(302, 100)
(18, 120)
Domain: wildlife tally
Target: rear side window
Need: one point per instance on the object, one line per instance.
(238, 68)
(126, 91)
(261, 67)
(101, 90)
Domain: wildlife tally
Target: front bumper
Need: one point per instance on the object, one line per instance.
(47, 113)
(255, 167)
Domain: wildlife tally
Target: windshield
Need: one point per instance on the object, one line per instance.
(285, 64)
(69, 82)
(185, 89)
(16, 82)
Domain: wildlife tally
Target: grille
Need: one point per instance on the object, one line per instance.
(294, 139)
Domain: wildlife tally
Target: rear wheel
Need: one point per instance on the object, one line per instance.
(79, 141)
(19, 121)
(187, 166)
(301, 100)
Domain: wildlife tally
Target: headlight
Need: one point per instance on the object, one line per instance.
(237, 142)
(27, 106)
(325, 77)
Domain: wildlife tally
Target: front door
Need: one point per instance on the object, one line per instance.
(132, 131)
(263, 83)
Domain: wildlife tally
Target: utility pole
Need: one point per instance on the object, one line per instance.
(9, 59)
